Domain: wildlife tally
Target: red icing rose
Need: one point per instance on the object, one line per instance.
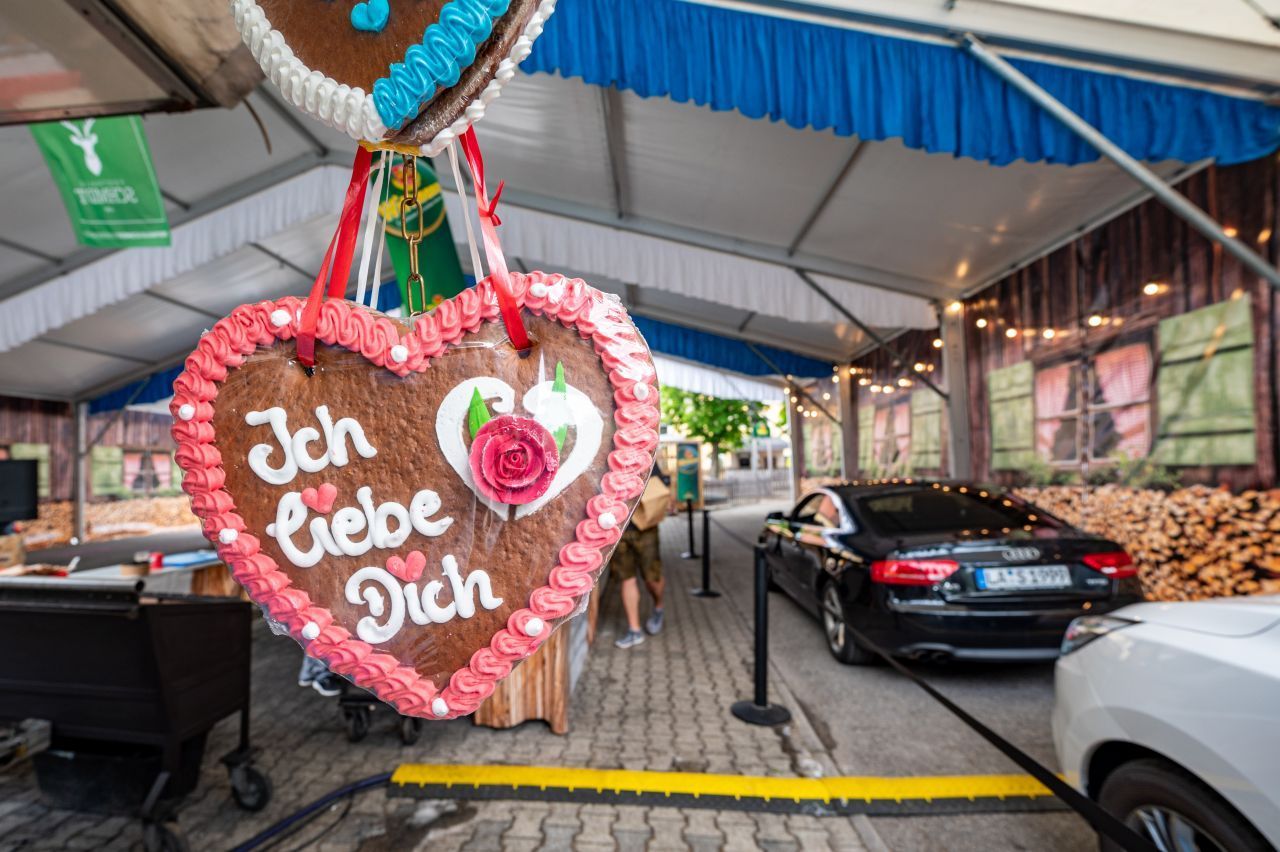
(513, 459)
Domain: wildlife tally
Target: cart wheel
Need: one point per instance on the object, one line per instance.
(250, 788)
(157, 837)
(410, 729)
(357, 724)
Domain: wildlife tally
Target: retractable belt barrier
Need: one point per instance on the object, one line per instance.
(1102, 821)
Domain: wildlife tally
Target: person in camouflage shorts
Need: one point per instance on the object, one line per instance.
(639, 555)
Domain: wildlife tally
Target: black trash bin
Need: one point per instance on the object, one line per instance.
(132, 683)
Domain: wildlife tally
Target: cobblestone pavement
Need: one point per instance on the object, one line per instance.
(661, 706)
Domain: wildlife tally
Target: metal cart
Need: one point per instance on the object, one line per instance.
(358, 705)
(108, 663)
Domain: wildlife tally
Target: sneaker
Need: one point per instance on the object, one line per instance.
(654, 624)
(630, 640)
(328, 684)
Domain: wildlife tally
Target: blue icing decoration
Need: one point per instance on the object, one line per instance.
(448, 46)
(371, 16)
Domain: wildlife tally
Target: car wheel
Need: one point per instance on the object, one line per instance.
(835, 624)
(1175, 811)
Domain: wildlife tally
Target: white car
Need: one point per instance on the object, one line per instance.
(1168, 715)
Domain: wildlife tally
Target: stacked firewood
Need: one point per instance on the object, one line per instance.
(116, 519)
(1193, 543)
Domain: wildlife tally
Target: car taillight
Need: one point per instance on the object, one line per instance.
(1115, 564)
(912, 572)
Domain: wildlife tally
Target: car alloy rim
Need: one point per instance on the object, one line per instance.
(833, 617)
(1170, 831)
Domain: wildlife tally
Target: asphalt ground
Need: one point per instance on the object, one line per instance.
(873, 721)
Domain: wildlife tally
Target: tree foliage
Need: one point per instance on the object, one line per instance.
(723, 423)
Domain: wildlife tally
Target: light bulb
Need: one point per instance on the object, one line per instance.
(937, 343)
(981, 323)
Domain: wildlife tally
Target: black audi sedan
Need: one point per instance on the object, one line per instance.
(941, 570)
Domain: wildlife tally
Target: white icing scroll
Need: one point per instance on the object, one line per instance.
(588, 426)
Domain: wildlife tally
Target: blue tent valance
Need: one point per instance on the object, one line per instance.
(666, 338)
(726, 353)
(932, 96)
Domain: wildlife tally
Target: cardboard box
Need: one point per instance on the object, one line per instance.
(652, 507)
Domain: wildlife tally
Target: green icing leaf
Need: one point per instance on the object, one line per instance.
(478, 414)
(561, 387)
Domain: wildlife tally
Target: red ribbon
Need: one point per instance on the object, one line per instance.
(333, 282)
(489, 222)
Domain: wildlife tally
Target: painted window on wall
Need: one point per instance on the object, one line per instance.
(1111, 414)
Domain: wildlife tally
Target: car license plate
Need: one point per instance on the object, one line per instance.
(1031, 577)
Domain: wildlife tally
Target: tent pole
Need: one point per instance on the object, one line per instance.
(78, 483)
(951, 329)
(1175, 201)
(899, 360)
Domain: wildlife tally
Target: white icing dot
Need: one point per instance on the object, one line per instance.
(607, 520)
(186, 411)
(279, 317)
(641, 390)
(310, 630)
(271, 529)
(399, 353)
(439, 708)
(228, 535)
(538, 290)
(533, 627)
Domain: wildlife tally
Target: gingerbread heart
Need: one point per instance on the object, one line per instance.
(476, 493)
(413, 72)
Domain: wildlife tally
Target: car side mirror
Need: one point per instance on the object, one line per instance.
(775, 516)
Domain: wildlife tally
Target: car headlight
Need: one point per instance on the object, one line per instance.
(1084, 630)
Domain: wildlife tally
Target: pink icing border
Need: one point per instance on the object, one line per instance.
(573, 303)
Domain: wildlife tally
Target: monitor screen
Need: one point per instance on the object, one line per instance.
(18, 480)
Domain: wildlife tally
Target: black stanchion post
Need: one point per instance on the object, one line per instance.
(692, 552)
(758, 711)
(706, 591)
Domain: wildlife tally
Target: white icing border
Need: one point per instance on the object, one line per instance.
(351, 110)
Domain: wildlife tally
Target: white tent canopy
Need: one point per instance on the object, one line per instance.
(695, 378)
(692, 216)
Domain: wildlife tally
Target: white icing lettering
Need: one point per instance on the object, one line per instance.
(422, 608)
(296, 456)
(335, 536)
(368, 628)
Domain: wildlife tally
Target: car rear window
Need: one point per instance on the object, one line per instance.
(934, 510)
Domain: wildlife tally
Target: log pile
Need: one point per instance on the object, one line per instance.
(1193, 543)
(108, 520)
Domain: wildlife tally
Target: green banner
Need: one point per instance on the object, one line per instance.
(103, 170)
(438, 262)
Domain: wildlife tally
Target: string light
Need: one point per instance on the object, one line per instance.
(1013, 332)
(1049, 334)
(981, 323)
(1230, 232)
(937, 343)
(875, 389)
(954, 308)
(919, 367)
(864, 381)
(835, 380)
(1152, 288)
(1095, 321)
(826, 396)
(1264, 235)
(904, 382)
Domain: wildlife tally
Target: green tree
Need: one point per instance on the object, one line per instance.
(723, 423)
